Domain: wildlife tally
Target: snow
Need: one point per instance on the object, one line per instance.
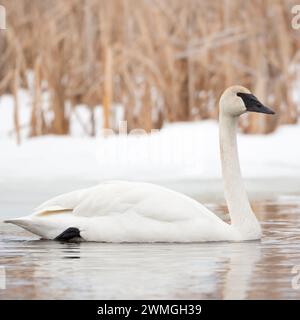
(178, 151)
(188, 150)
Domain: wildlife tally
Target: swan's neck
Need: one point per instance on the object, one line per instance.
(238, 204)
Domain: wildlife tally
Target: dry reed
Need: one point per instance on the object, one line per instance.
(163, 60)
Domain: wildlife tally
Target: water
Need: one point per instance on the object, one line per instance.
(38, 269)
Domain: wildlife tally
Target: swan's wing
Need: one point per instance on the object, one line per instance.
(143, 199)
(119, 197)
(62, 203)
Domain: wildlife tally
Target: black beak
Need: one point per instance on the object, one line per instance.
(253, 105)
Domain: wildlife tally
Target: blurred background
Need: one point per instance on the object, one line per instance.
(69, 69)
(146, 61)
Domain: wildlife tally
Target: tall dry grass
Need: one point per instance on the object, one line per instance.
(164, 60)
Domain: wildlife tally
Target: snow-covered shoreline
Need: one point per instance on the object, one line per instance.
(178, 151)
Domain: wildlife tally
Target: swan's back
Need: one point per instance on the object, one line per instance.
(118, 197)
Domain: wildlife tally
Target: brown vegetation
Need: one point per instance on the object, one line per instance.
(164, 60)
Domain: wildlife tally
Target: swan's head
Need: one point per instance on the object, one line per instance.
(237, 100)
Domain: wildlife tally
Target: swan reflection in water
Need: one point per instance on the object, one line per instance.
(111, 271)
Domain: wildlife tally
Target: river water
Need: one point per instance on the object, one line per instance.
(266, 269)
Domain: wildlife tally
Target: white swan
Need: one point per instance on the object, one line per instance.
(119, 211)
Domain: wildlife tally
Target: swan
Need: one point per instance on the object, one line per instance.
(123, 211)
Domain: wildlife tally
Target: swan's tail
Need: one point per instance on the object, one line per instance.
(23, 222)
(26, 223)
(47, 227)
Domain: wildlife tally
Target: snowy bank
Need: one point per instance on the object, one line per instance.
(178, 151)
